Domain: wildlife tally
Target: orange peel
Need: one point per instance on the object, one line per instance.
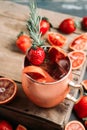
(38, 74)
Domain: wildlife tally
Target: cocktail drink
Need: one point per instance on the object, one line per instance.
(47, 70)
(51, 87)
(56, 69)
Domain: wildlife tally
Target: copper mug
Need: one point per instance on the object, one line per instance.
(50, 94)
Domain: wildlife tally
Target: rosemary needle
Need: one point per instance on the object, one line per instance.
(33, 24)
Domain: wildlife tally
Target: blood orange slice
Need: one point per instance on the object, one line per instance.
(56, 39)
(8, 89)
(56, 53)
(58, 56)
(21, 127)
(74, 125)
(84, 83)
(38, 74)
(79, 43)
(77, 58)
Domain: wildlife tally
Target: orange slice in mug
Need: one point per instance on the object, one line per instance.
(77, 58)
(8, 89)
(74, 125)
(79, 43)
(38, 74)
(56, 53)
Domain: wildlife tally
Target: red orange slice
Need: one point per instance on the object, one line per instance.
(79, 43)
(74, 125)
(8, 89)
(56, 53)
(21, 127)
(38, 74)
(56, 39)
(77, 58)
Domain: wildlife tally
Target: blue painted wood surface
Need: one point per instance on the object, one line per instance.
(73, 7)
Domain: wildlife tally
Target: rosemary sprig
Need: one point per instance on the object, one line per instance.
(33, 25)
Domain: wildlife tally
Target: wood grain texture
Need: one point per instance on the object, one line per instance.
(12, 21)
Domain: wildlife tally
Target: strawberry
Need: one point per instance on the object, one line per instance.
(23, 42)
(5, 125)
(81, 107)
(84, 23)
(36, 56)
(44, 26)
(67, 26)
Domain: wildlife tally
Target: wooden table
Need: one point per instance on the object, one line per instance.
(13, 20)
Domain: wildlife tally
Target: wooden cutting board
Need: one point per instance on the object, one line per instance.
(13, 20)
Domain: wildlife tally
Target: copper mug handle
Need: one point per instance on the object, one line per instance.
(76, 86)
